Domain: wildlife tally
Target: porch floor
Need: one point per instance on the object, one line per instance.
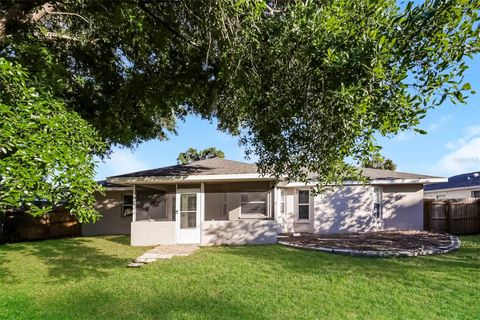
(163, 252)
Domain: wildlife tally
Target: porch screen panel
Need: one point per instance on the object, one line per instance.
(155, 205)
(242, 200)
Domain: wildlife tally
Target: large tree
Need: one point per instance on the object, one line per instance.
(193, 154)
(305, 83)
(46, 151)
(379, 162)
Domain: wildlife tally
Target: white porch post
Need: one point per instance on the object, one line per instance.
(275, 203)
(202, 208)
(134, 209)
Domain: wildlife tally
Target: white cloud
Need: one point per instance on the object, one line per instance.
(470, 132)
(464, 155)
(120, 161)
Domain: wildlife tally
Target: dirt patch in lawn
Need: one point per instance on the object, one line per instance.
(383, 243)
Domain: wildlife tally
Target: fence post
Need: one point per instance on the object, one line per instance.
(427, 214)
(477, 213)
(447, 215)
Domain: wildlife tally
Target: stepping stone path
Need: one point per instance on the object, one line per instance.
(162, 252)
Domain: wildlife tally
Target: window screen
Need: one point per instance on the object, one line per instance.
(377, 204)
(303, 204)
(253, 203)
(127, 205)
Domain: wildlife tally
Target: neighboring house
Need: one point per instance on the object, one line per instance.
(465, 185)
(219, 201)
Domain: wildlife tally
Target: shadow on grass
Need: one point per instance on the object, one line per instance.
(120, 239)
(69, 259)
(164, 305)
(4, 273)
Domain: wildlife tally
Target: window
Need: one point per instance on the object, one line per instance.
(303, 204)
(377, 204)
(476, 194)
(253, 204)
(127, 205)
(441, 197)
(283, 208)
(224, 204)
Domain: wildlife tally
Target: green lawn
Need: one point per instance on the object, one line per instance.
(86, 278)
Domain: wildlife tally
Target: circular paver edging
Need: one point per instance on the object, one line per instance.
(454, 245)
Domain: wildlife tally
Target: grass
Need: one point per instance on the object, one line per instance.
(86, 278)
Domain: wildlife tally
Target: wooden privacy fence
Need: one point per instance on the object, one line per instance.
(454, 216)
(20, 226)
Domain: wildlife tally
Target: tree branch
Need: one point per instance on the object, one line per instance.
(144, 8)
(19, 10)
(70, 14)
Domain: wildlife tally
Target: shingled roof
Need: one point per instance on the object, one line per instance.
(465, 180)
(378, 174)
(213, 166)
(218, 166)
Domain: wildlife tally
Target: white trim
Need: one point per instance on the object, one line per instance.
(257, 177)
(134, 209)
(470, 188)
(275, 203)
(118, 189)
(371, 182)
(202, 208)
(198, 178)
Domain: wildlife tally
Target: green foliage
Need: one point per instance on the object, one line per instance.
(379, 162)
(312, 82)
(46, 151)
(193, 155)
(306, 83)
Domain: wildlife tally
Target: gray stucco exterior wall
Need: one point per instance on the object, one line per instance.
(111, 222)
(346, 209)
(350, 209)
(403, 207)
(150, 233)
(239, 232)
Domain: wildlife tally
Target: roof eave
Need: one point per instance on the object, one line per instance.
(454, 188)
(374, 182)
(192, 178)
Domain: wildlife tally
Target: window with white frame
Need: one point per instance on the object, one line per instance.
(253, 204)
(303, 204)
(283, 208)
(377, 203)
(127, 205)
(476, 194)
(224, 204)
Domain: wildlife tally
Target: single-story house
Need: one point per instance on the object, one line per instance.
(219, 201)
(466, 185)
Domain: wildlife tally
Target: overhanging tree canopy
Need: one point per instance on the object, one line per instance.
(46, 151)
(306, 83)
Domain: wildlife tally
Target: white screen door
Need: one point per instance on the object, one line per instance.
(188, 216)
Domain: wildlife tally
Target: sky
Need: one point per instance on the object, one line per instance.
(452, 145)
